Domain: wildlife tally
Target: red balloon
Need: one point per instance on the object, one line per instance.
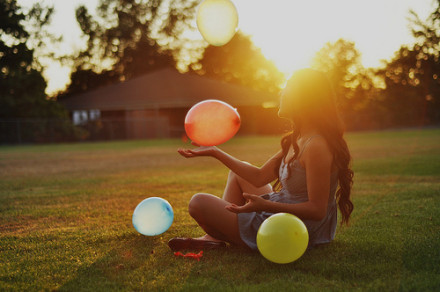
(211, 122)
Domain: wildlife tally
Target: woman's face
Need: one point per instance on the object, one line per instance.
(286, 109)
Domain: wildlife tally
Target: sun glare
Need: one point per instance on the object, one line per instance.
(293, 31)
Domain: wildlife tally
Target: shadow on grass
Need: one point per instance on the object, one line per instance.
(111, 271)
(338, 265)
(355, 259)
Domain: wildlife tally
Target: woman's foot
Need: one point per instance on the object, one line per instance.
(208, 238)
(199, 243)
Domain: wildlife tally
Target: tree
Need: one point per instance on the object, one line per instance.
(22, 85)
(412, 76)
(240, 62)
(132, 37)
(341, 61)
(353, 84)
(427, 66)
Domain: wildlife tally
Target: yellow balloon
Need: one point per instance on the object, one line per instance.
(217, 21)
(282, 238)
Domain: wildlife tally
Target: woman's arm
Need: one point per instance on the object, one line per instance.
(306, 210)
(318, 160)
(255, 175)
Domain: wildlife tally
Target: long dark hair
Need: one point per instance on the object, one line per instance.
(314, 102)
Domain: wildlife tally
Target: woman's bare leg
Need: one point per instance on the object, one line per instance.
(236, 186)
(233, 193)
(220, 224)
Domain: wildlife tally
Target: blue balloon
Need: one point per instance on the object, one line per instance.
(153, 216)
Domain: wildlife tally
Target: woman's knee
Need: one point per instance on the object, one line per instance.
(231, 175)
(196, 204)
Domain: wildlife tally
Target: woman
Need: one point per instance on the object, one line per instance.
(313, 160)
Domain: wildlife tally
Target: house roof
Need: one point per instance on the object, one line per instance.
(165, 88)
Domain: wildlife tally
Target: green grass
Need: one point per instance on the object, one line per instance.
(65, 219)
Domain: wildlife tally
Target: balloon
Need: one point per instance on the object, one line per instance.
(153, 216)
(217, 21)
(282, 238)
(211, 122)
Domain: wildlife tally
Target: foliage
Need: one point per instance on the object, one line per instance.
(128, 38)
(24, 106)
(353, 84)
(240, 62)
(341, 61)
(412, 77)
(137, 37)
(22, 85)
(410, 95)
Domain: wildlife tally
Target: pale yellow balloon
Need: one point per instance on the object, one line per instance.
(282, 238)
(217, 21)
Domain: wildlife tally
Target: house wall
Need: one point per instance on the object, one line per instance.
(146, 124)
(164, 123)
(176, 120)
(255, 120)
(169, 123)
(111, 126)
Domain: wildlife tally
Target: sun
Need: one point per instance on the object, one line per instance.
(291, 32)
(290, 35)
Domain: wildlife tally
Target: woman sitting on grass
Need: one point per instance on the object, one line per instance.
(313, 159)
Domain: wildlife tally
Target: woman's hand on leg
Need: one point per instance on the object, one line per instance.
(255, 203)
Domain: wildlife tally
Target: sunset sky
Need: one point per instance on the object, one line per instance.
(289, 32)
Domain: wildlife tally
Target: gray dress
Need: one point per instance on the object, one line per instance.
(294, 190)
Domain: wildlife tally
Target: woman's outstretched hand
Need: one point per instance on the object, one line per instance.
(254, 203)
(200, 151)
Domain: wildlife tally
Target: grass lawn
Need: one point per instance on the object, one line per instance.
(65, 219)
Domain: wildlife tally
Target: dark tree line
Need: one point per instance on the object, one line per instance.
(412, 77)
(240, 62)
(134, 37)
(22, 86)
(21, 83)
(404, 92)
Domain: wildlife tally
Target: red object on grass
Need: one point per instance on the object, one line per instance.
(190, 255)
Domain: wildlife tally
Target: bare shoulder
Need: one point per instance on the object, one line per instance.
(318, 151)
(319, 144)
